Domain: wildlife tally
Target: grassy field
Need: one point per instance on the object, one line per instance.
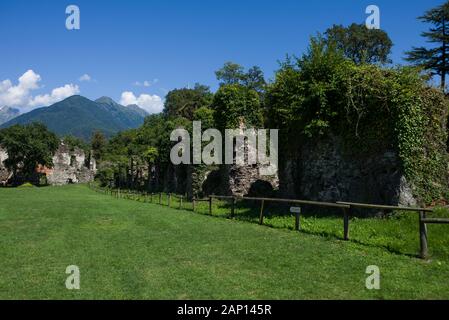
(133, 250)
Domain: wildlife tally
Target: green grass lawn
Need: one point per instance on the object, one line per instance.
(133, 250)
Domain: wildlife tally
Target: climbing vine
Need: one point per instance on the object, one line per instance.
(374, 109)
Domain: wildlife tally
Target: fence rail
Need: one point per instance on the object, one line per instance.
(346, 208)
(383, 207)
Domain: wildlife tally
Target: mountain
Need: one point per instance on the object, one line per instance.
(137, 109)
(80, 117)
(7, 113)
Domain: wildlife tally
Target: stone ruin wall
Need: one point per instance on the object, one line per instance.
(4, 173)
(322, 172)
(69, 166)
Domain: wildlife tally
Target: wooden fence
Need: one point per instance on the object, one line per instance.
(346, 209)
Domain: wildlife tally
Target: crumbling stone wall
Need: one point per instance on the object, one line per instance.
(321, 170)
(4, 173)
(69, 166)
(239, 178)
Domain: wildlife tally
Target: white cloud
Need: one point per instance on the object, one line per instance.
(146, 83)
(85, 77)
(56, 95)
(20, 95)
(150, 103)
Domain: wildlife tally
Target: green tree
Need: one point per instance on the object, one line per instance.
(151, 156)
(206, 116)
(435, 59)
(235, 104)
(254, 79)
(74, 142)
(98, 143)
(184, 102)
(307, 92)
(28, 146)
(360, 44)
(232, 73)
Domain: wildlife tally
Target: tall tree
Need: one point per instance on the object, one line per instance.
(230, 73)
(234, 104)
(434, 59)
(360, 44)
(254, 79)
(233, 73)
(151, 155)
(98, 144)
(184, 102)
(27, 147)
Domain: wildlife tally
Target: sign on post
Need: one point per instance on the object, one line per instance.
(296, 211)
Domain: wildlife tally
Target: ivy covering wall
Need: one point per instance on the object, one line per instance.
(374, 108)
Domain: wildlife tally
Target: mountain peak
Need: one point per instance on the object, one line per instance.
(106, 100)
(80, 117)
(8, 113)
(137, 109)
(8, 109)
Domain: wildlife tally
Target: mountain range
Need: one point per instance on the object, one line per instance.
(81, 117)
(7, 113)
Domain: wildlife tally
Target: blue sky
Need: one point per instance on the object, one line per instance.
(169, 43)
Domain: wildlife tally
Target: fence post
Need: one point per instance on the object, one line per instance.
(160, 198)
(423, 235)
(169, 199)
(261, 213)
(193, 203)
(232, 207)
(297, 221)
(346, 224)
(210, 205)
(180, 203)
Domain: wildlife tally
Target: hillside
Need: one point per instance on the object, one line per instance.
(80, 117)
(7, 113)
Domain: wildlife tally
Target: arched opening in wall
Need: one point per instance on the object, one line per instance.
(72, 160)
(70, 181)
(261, 188)
(212, 183)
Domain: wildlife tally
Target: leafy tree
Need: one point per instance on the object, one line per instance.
(235, 104)
(434, 59)
(360, 44)
(151, 156)
(254, 79)
(74, 142)
(206, 116)
(98, 143)
(131, 152)
(305, 94)
(184, 102)
(232, 73)
(28, 146)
